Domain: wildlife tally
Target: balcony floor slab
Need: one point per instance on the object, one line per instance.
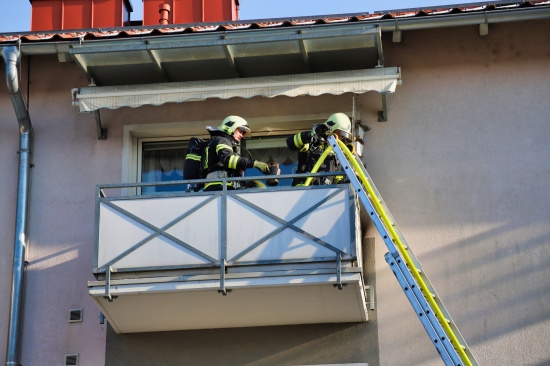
(254, 301)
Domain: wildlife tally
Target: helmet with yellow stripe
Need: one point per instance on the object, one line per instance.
(231, 123)
(339, 124)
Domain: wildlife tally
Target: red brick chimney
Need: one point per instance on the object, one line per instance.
(191, 11)
(79, 14)
(83, 14)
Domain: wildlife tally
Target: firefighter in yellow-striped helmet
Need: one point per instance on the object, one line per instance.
(311, 145)
(222, 157)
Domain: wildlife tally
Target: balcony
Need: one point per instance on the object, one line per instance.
(241, 258)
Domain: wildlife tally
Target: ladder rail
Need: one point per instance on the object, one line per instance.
(449, 357)
(396, 244)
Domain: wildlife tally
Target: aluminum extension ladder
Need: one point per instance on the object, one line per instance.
(428, 306)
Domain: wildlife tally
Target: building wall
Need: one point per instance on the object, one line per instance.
(463, 164)
(67, 161)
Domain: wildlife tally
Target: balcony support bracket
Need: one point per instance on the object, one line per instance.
(339, 283)
(223, 268)
(108, 295)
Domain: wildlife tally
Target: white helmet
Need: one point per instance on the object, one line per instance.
(231, 123)
(339, 124)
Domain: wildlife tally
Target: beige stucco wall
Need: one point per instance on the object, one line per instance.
(66, 164)
(463, 164)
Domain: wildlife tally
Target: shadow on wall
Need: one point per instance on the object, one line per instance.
(504, 290)
(510, 276)
(280, 345)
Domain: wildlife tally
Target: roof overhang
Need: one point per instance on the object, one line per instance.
(382, 80)
(236, 54)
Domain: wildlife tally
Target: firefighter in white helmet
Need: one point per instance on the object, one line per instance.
(311, 144)
(222, 158)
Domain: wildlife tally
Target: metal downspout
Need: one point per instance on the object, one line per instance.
(11, 56)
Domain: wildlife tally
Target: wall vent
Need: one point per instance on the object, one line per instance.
(71, 359)
(75, 315)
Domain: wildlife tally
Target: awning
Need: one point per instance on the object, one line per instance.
(380, 79)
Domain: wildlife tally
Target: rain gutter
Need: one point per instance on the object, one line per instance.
(11, 56)
(463, 19)
(431, 21)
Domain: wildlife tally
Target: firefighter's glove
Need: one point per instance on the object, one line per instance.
(320, 131)
(304, 148)
(261, 166)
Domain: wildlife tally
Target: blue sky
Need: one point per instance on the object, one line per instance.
(15, 15)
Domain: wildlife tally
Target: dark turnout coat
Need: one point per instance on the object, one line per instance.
(310, 147)
(221, 155)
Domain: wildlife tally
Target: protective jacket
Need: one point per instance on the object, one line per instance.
(310, 146)
(221, 156)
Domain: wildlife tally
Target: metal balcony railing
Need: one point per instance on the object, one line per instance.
(254, 238)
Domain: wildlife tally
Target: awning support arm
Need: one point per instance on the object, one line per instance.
(101, 132)
(383, 114)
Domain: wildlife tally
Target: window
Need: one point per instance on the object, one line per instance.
(162, 161)
(271, 149)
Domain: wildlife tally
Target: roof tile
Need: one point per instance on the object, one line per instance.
(125, 32)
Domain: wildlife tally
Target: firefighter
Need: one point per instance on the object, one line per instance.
(311, 144)
(222, 159)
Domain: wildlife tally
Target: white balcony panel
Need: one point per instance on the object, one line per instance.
(281, 225)
(254, 301)
(328, 223)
